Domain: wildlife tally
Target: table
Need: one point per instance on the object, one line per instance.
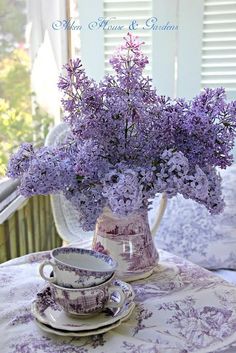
(181, 308)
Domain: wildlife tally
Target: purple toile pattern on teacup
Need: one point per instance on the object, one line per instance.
(83, 305)
(78, 268)
(90, 300)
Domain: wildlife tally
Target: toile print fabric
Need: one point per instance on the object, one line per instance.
(188, 230)
(181, 308)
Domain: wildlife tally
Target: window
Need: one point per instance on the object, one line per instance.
(16, 119)
(31, 57)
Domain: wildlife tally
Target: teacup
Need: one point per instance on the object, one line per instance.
(88, 301)
(78, 268)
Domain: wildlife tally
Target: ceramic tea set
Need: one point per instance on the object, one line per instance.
(83, 296)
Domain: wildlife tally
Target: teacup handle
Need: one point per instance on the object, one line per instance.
(41, 271)
(115, 289)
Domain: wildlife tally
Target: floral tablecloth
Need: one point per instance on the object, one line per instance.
(181, 308)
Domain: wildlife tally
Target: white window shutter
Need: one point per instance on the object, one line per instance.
(122, 12)
(219, 45)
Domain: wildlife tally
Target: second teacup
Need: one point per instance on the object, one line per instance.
(78, 268)
(89, 301)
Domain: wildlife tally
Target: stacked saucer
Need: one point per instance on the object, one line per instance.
(84, 296)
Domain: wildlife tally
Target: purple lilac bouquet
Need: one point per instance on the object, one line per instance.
(127, 143)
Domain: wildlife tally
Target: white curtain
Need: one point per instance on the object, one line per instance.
(48, 50)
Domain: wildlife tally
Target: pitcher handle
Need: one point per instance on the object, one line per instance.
(160, 212)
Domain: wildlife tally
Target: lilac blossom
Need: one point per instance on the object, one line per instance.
(20, 161)
(123, 191)
(128, 144)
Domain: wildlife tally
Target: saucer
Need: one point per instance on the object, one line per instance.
(47, 312)
(97, 331)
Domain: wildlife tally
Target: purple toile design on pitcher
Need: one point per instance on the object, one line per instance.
(100, 248)
(129, 240)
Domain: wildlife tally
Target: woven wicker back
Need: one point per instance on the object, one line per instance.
(65, 215)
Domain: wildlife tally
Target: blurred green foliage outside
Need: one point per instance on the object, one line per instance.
(17, 122)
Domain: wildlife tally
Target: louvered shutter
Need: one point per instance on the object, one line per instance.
(219, 45)
(122, 12)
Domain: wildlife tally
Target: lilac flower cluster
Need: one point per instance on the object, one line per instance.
(127, 143)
